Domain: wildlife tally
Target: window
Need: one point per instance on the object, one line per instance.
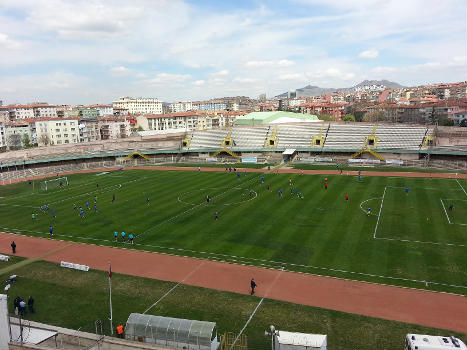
(65, 135)
(59, 142)
(72, 129)
(59, 135)
(66, 141)
(57, 130)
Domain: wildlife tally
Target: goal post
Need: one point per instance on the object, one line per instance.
(54, 183)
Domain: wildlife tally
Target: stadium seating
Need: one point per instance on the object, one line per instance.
(347, 137)
(298, 136)
(400, 137)
(249, 137)
(207, 139)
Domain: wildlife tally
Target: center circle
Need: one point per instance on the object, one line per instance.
(181, 197)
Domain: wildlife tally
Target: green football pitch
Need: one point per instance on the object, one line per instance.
(415, 239)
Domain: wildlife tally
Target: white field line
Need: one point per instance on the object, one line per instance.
(365, 202)
(262, 262)
(422, 242)
(171, 289)
(379, 214)
(447, 216)
(461, 187)
(246, 324)
(105, 189)
(188, 210)
(216, 188)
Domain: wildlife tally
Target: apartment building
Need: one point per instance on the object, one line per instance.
(335, 110)
(114, 128)
(57, 131)
(179, 107)
(170, 122)
(209, 106)
(15, 134)
(2, 134)
(37, 110)
(89, 130)
(139, 105)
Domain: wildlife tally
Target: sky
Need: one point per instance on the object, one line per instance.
(95, 51)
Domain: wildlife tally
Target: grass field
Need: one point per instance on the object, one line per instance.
(346, 167)
(75, 299)
(409, 239)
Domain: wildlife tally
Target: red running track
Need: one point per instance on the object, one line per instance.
(432, 309)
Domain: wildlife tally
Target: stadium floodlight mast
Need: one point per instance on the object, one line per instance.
(272, 332)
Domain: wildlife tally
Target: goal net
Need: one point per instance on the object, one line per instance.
(54, 183)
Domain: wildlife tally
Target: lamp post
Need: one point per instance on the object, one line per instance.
(272, 332)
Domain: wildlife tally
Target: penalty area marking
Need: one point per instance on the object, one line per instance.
(367, 201)
(461, 186)
(447, 215)
(409, 240)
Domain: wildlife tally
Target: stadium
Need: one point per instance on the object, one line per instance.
(354, 230)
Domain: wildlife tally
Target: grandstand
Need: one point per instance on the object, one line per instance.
(418, 146)
(250, 138)
(401, 137)
(347, 137)
(207, 139)
(299, 136)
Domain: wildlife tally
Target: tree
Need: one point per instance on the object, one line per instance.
(349, 118)
(14, 141)
(140, 128)
(373, 116)
(463, 123)
(26, 141)
(443, 120)
(44, 139)
(325, 117)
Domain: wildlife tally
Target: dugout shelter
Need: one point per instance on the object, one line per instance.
(176, 333)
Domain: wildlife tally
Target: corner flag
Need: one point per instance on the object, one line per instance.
(110, 271)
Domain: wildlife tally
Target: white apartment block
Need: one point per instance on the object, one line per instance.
(179, 107)
(2, 134)
(103, 110)
(18, 111)
(57, 131)
(114, 128)
(38, 110)
(295, 102)
(45, 111)
(170, 122)
(89, 130)
(14, 134)
(209, 106)
(139, 105)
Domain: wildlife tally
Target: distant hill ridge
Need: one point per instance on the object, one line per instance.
(310, 90)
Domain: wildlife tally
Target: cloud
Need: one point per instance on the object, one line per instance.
(383, 70)
(119, 71)
(369, 54)
(245, 50)
(221, 73)
(7, 42)
(269, 64)
(244, 80)
(291, 76)
(167, 78)
(199, 83)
